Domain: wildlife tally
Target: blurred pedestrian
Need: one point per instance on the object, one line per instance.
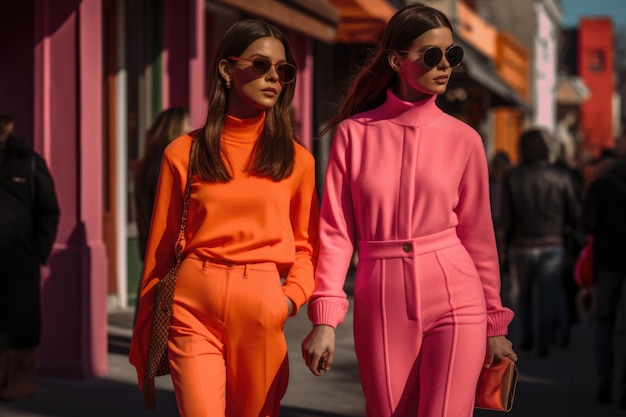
(29, 216)
(538, 206)
(168, 125)
(408, 184)
(605, 220)
(596, 167)
(590, 170)
(253, 218)
(574, 238)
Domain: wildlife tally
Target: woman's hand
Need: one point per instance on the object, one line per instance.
(318, 349)
(499, 347)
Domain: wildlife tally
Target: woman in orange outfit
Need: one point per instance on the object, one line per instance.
(252, 219)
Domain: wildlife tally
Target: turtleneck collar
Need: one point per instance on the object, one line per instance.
(408, 113)
(243, 130)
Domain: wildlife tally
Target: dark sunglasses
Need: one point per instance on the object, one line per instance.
(261, 66)
(433, 55)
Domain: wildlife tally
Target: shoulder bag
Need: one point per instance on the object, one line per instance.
(157, 363)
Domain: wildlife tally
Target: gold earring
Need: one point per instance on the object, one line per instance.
(227, 83)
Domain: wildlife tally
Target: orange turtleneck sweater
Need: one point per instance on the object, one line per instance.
(248, 219)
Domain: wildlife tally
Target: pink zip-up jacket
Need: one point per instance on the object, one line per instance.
(401, 171)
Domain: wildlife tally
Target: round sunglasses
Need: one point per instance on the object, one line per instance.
(261, 66)
(433, 56)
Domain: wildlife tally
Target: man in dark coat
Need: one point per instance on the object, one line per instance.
(29, 216)
(605, 220)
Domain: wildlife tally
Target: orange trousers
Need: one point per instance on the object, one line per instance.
(227, 349)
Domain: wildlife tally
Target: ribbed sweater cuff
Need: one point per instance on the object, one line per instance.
(295, 294)
(498, 322)
(327, 312)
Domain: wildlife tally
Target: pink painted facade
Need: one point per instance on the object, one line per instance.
(58, 106)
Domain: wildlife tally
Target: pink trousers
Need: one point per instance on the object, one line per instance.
(420, 327)
(227, 349)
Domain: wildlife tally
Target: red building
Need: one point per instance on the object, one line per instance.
(595, 67)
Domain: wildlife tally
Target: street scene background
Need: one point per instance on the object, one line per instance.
(84, 80)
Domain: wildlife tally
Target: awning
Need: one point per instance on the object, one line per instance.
(480, 69)
(571, 91)
(318, 19)
(362, 21)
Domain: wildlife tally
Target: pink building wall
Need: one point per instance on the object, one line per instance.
(197, 63)
(53, 88)
(301, 47)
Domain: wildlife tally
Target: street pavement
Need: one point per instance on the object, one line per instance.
(562, 384)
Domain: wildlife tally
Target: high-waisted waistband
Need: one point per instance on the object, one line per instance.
(219, 263)
(406, 248)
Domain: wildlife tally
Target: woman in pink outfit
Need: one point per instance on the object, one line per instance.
(408, 186)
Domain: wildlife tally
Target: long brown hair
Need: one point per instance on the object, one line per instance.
(369, 87)
(274, 152)
(168, 125)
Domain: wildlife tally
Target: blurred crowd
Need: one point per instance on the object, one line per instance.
(546, 210)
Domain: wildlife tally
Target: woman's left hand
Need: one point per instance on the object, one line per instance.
(499, 347)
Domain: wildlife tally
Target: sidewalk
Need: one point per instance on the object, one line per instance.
(562, 384)
(116, 395)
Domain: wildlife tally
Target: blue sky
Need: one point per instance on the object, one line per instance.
(574, 9)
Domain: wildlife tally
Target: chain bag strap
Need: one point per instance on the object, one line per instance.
(157, 362)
